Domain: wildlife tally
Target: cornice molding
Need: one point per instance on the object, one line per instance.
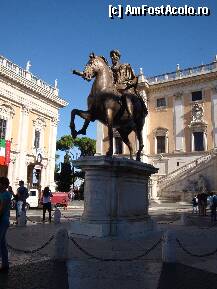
(32, 86)
(31, 103)
(183, 81)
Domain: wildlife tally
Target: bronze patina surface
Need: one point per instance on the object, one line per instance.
(113, 100)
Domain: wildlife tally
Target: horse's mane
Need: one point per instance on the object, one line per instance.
(104, 59)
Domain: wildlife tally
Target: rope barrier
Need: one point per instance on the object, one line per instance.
(34, 250)
(112, 259)
(192, 254)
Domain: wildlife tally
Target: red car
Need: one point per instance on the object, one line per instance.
(60, 199)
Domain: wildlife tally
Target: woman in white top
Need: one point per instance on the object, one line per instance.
(47, 202)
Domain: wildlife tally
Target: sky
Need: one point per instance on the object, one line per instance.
(58, 35)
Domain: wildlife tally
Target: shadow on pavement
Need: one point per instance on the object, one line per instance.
(179, 276)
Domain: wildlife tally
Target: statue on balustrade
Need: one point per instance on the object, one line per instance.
(113, 100)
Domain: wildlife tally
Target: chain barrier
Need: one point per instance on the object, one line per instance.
(167, 223)
(195, 255)
(34, 250)
(112, 259)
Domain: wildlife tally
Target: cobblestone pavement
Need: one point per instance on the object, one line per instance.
(40, 271)
(37, 275)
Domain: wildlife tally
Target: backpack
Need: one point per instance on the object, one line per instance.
(214, 200)
(23, 192)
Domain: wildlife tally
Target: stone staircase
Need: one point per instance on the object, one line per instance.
(172, 180)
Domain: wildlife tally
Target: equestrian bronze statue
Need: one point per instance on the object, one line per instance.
(112, 100)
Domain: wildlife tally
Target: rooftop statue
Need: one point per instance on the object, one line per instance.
(113, 100)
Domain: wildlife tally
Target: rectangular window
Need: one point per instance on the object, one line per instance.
(161, 102)
(198, 141)
(161, 144)
(37, 139)
(32, 193)
(3, 124)
(196, 95)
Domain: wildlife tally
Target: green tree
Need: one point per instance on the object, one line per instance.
(85, 145)
(64, 181)
(66, 143)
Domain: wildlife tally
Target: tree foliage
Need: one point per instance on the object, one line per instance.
(64, 179)
(86, 145)
(65, 143)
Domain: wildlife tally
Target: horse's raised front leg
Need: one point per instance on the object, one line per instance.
(84, 128)
(86, 115)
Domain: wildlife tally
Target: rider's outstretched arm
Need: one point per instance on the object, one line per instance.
(79, 73)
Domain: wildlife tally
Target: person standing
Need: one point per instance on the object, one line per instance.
(46, 200)
(5, 199)
(213, 205)
(22, 195)
(195, 205)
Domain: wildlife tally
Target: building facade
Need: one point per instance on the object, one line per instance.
(181, 126)
(28, 126)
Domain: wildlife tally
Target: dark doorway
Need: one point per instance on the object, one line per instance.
(198, 141)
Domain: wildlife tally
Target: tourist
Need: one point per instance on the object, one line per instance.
(22, 195)
(213, 205)
(203, 197)
(195, 205)
(199, 204)
(46, 200)
(5, 199)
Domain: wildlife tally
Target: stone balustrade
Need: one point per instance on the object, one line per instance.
(28, 75)
(183, 73)
(164, 181)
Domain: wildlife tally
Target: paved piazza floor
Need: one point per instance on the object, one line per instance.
(40, 271)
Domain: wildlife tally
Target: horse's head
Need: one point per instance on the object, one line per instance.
(94, 65)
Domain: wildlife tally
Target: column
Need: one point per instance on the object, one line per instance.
(192, 142)
(99, 138)
(22, 144)
(43, 175)
(205, 140)
(214, 114)
(178, 122)
(143, 94)
(51, 153)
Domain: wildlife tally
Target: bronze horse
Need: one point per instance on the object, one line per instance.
(106, 105)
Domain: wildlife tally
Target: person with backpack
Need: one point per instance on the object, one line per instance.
(213, 205)
(22, 195)
(46, 200)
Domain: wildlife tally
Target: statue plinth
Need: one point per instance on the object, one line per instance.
(115, 197)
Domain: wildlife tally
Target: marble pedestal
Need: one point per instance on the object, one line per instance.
(115, 197)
